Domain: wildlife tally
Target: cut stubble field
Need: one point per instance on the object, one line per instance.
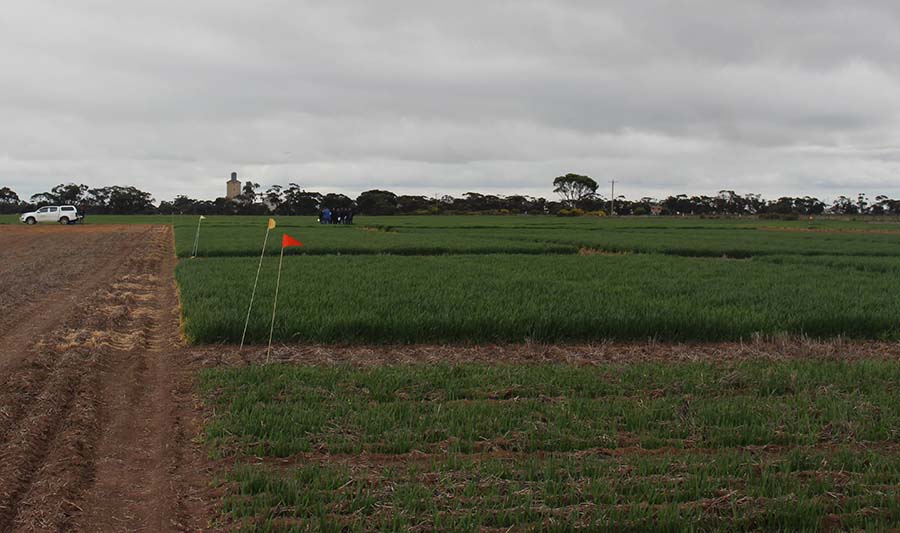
(753, 384)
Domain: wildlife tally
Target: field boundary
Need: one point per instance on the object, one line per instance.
(776, 349)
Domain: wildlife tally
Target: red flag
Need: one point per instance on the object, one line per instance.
(287, 241)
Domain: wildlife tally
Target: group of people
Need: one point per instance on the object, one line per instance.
(343, 215)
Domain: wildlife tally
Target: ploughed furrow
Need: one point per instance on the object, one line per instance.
(87, 414)
(70, 466)
(52, 432)
(42, 283)
(24, 454)
(73, 331)
(146, 476)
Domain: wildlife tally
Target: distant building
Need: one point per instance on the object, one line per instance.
(656, 210)
(234, 187)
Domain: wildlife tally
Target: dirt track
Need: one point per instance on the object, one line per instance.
(97, 425)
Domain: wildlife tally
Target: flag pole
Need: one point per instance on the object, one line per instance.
(255, 283)
(197, 238)
(275, 303)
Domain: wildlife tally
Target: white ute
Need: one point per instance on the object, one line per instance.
(66, 214)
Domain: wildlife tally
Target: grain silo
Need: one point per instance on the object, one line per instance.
(234, 187)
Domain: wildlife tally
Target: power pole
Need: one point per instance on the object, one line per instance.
(612, 199)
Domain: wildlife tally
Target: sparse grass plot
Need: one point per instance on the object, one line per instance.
(753, 445)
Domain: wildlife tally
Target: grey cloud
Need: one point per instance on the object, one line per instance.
(798, 97)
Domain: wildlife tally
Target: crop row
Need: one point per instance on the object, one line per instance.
(632, 446)
(281, 411)
(229, 240)
(512, 298)
(541, 235)
(728, 491)
(706, 242)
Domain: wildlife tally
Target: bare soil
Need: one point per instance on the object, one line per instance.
(98, 427)
(778, 348)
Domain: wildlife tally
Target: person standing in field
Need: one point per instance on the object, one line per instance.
(326, 215)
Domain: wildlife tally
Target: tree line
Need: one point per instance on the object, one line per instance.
(102, 200)
(577, 196)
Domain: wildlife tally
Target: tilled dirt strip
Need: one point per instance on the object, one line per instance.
(96, 416)
(43, 275)
(779, 348)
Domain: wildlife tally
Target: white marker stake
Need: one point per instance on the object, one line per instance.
(269, 227)
(197, 238)
(275, 304)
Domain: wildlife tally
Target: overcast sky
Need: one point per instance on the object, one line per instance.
(424, 97)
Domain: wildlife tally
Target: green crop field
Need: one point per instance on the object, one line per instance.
(228, 240)
(546, 279)
(243, 236)
(513, 298)
(791, 445)
(760, 444)
(710, 242)
(756, 444)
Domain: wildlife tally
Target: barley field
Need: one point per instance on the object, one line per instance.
(544, 279)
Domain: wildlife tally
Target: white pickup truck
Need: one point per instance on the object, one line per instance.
(65, 214)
